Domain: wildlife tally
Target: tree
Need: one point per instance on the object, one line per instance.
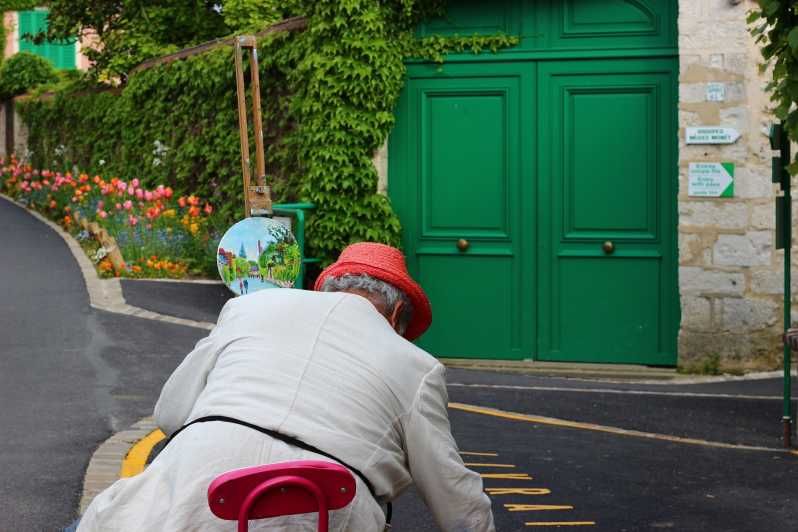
(775, 27)
(24, 71)
(131, 31)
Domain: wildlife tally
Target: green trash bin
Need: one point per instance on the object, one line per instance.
(297, 212)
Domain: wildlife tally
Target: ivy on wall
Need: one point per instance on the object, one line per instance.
(329, 95)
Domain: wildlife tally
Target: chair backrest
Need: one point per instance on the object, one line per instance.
(228, 491)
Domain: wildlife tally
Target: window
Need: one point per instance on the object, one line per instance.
(61, 54)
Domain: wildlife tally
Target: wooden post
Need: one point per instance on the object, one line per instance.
(257, 197)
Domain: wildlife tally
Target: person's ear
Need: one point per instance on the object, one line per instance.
(396, 313)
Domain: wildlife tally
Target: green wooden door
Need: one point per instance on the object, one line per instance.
(538, 156)
(466, 152)
(607, 165)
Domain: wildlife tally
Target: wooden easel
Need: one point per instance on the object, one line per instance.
(257, 197)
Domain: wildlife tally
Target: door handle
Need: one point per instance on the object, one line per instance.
(608, 247)
(463, 244)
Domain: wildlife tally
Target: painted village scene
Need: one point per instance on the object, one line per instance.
(258, 253)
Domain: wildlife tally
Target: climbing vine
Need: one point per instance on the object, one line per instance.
(330, 93)
(775, 27)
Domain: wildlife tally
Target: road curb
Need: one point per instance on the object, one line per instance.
(105, 294)
(105, 465)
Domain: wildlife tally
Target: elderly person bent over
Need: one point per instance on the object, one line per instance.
(333, 369)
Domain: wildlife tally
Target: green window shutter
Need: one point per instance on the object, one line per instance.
(60, 54)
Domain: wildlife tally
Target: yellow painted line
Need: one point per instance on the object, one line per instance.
(517, 491)
(480, 464)
(560, 523)
(506, 476)
(536, 507)
(542, 420)
(467, 453)
(136, 458)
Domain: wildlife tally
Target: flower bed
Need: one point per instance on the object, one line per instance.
(157, 233)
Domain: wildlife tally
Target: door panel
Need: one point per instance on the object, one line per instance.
(456, 163)
(607, 175)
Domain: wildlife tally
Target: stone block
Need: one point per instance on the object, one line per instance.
(738, 63)
(751, 249)
(750, 183)
(719, 213)
(763, 216)
(690, 248)
(771, 282)
(749, 314)
(699, 281)
(738, 118)
(692, 92)
(696, 313)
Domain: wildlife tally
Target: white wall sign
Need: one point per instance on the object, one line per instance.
(716, 92)
(711, 180)
(711, 135)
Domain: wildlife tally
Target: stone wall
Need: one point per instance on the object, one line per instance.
(730, 275)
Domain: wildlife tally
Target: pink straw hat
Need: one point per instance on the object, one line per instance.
(387, 264)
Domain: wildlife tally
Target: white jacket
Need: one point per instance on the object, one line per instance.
(326, 368)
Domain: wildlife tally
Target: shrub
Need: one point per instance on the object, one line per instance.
(24, 71)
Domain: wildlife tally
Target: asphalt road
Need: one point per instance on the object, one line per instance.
(71, 375)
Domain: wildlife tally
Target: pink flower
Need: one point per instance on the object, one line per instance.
(128, 205)
(100, 205)
(131, 190)
(132, 220)
(139, 193)
(168, 192)
(148, 196)
(102, 214)
(118, 206)
(135, 182)
(121, 186)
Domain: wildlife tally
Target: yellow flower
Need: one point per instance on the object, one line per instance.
(169, 213)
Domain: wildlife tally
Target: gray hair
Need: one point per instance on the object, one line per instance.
(389, 294)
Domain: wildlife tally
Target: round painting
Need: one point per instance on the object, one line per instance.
(258, 253)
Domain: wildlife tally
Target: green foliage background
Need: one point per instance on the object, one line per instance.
(329, 95)
(23, 71)
(775, 27)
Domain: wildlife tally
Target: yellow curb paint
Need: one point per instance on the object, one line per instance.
(541, 420)
(506, 476)
(136, 458)
(480, 464)
(536, 507)
(560, 523)
(467, 453)
(517, 491)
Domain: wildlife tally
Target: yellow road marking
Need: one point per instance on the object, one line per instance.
(542, 420)
(506, 476)
(467, 453)
(536, 507)
(560, 523)
(480, 464)
(136, 457)
(517, 491)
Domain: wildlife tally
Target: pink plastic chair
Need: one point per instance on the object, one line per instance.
(287, 488)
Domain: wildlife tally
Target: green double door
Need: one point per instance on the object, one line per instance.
(537, 199)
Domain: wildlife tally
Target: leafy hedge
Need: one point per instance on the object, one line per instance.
(329, 95)
(22, 72)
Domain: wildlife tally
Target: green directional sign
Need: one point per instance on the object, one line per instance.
(711, 180)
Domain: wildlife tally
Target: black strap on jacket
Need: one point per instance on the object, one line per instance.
(290, 440)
